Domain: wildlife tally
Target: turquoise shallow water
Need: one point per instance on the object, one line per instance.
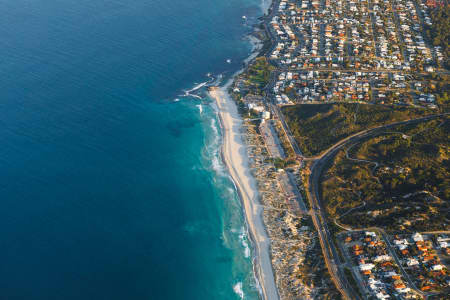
(109, 188)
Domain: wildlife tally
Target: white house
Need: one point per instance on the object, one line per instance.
(380, 258)
(365, 267)
(437, 267)
(412, 262)
(417, 237)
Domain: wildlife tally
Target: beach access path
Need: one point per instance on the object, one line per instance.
(235, 158)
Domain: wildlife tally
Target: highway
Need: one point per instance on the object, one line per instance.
(276, 111)
(332, 259)
(331, 256)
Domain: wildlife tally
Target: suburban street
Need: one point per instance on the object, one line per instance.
(319, 74)
(331, 256)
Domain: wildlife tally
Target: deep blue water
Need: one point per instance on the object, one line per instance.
(109, 189)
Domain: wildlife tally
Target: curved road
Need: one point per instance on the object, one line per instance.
(330, 253)
(331, 257)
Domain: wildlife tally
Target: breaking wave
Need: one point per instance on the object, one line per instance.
(200, 108)
(237, 288)
(244, 242)
(234, 236)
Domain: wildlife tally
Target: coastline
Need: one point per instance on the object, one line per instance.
(234, 155)
(233, 152)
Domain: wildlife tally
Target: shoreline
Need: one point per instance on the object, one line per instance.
(233, 152)
(234, 156)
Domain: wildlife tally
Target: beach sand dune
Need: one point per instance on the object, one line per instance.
(235, 157)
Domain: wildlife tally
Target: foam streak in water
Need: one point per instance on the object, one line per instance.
(243, 239)
(237, 288)
(200, 108)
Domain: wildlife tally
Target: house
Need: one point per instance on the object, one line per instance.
(443, 245)
(443, 239)
(256, 108)
(437, 267)
(364, 267)
(404, 290)
(381, 258)
(417, 237)
(381, 295)
(367, 272)
(412, 262)
(399, 285)
(401, 242)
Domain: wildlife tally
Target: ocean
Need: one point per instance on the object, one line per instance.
(111, 183)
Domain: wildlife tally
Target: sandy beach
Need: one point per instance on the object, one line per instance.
(235, 157)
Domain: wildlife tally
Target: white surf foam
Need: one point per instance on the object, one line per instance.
(237, 288)
(200, 108)
(214, 151)
(231, 191)
(244, 242)
(199, 86)
(234, 235)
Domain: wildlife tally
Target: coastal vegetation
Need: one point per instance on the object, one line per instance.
(280, 163)
(253, 80)
(316, 127)
(393, 180)
(258, 74)
(315, 273)
(399, 179)
(251, 83)
(287, 148)
(300, 271)
(440, 87)
(439, 32)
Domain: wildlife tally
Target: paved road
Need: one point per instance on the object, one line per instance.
(331, 257)
(392, 252)
(355, 138)
(330, 254)
(397, 261)
(277, 113)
